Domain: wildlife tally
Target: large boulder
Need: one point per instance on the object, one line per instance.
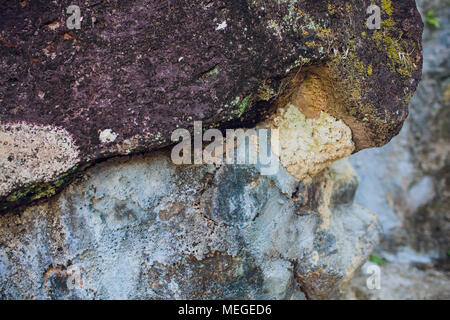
(137, 70)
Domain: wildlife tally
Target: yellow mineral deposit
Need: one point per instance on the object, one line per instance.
(309, 145)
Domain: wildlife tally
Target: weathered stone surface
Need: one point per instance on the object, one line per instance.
(141, 227)
(136, 70)
(407, 183)
(412, 279)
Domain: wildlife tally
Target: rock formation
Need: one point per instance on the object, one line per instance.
(144, 228)
(136, 71)
(407, 182)
(139, 226)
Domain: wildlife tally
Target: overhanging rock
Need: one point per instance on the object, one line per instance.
(138, 70)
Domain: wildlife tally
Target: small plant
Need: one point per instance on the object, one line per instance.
(379, 261)
(431, 19)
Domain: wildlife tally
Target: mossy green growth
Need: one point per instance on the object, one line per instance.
(213, 72)
(396, 49)
(38, 191)
(265, 93)
(16, 195)
(243, 105)
(387, 6)
(33, 192)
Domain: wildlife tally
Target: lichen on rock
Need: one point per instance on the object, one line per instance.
(33, 153)
(224, 63)
(139, 226)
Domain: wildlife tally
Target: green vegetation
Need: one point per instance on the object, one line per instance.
(431, 19)
(379, 261)
(243, 105)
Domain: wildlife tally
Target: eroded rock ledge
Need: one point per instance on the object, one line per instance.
(137, 70)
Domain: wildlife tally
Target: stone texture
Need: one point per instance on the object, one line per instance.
(136, 71)
(31, 153)
(141, 227)
(402, 281)
(309, 145)
(407, 183)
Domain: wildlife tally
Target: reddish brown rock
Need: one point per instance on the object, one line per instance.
(137, 70)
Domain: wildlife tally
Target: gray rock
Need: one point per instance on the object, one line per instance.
(143, 228)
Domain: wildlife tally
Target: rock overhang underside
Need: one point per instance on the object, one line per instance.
(138, 70)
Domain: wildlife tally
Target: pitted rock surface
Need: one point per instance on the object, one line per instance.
(137, 70)
(141, 227)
